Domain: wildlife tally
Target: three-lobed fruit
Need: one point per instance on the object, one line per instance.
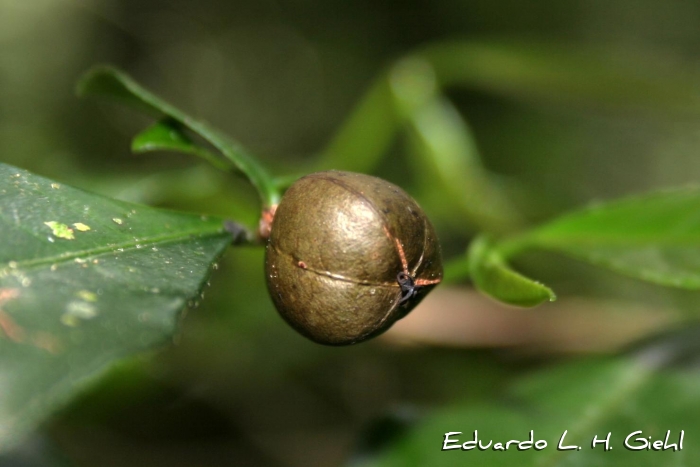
(348, 255)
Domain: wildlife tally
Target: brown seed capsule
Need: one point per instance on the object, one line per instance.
(348, 255)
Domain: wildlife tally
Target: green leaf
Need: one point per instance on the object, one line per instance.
(492, 275)
(456, 270)
(407, 94)
(570, 73)
(72, 305)
(167, 135)
(448, 152)
(587, 398)
(654, 237)
(366, 134)
(110, 82)
(534, 70)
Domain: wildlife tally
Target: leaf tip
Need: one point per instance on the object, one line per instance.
(86, 83)
(493, 276)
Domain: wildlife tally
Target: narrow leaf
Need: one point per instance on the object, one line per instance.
(110, 82)
(72, 305)
(492, 275)
(569, 73)
(448, 152)
(406, 95)
(366, 134)
(654, 237)
(167, 135)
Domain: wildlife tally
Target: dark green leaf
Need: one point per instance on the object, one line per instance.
(655, 237)
(85, 281)
(110, 82)
(492, 275)
(167, 135)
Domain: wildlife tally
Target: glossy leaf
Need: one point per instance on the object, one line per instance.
(167, 135)
(648, 390)
(654, 237)
(492, 275)
(72, 305)
(110, 82)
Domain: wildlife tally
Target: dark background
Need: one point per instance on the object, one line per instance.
(239, 387)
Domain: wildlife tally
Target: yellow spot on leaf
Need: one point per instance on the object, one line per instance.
(87, 295)
(117, 220)
(76, 311)
(81, 227)
(60, 230)
(69, 320)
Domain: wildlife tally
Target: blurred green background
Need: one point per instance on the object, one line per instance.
(239, 387)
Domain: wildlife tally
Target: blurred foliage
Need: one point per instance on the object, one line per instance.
(572, 406)
(564, 102)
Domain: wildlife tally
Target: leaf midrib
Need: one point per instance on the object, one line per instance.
(158, 239)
